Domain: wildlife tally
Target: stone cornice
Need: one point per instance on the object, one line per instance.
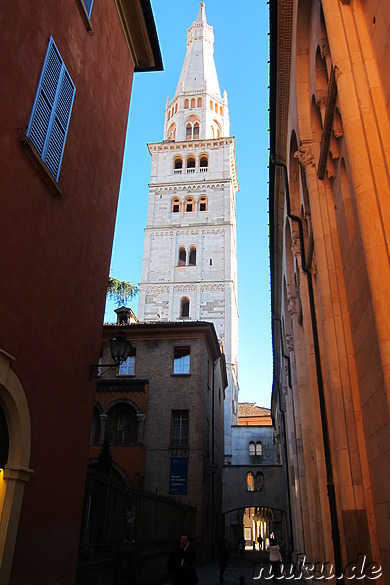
(190, 145)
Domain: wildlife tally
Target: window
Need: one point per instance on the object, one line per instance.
(199, 102)
(188, 132)
(252, 450)
(186, 104)
(179, 428)
(49, 122)
(211, 104)
(176, 205)
(185, 307)
(250, 482)
(196, 131)
(259, 481)
(259, 448)
(182, 257)
(192, 257)
(203, 204)
(203, 163)
(216, 108)
(181, 360)
(190, 205)
(122, 425)
(193, 103)
(127, 368)
(191, 163)
(178, 164)
(95, 430)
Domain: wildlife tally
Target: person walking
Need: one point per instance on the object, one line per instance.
(181, 563)
(241, 546)
(275, 557)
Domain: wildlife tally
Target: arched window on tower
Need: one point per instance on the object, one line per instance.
(190, 205)
(259, 448)
(178, 165)
(193, 103)
(176, 205)
(203, 164)
(216, 108)
(188, 132)
(211, 104)
(172, 132)
(221, 110)
(196, 131)
(191, 164)
(203, 203)
(252, 450)
(192, 256)
(182, 256)
(250, 482)
(199, 102)
(185, 307)
(186, 104)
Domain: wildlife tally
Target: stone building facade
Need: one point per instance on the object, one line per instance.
(189, 269)
(329, 218)
(162, 413)
(66, 76)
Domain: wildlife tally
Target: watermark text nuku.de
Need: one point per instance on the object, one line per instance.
(359, 569)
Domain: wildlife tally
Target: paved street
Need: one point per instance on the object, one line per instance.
(209, 574)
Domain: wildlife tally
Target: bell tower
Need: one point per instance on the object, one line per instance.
(189, 269)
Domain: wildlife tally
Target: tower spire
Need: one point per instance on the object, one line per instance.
(198, 88)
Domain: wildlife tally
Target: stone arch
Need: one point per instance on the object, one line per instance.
(16, 471)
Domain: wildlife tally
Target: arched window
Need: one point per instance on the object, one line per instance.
(259, 481)
(95, 430)
(190, 205)
(193, 103)
(182, 256)
(188, 132)
(196, 131)
(203, 203)
(186, 104)
(259, 448)
(216, 108)
(191, 162)
(175, 107)
(178, 164)
(199, 102)
(169, 114)
(122, 425)
(203, 164)
(250, 482)
(221, 110)
(252, 450)
(185, 307)
(176, 205)
(192, 256)
(211, 104)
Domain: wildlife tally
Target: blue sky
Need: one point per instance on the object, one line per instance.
(241, 54)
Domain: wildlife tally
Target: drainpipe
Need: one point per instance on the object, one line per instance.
(320, 384)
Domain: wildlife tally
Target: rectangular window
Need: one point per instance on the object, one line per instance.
(181, 360)
(49, 122)
(179, 428)
(127, 368)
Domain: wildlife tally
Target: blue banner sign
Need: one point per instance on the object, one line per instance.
(178, 475)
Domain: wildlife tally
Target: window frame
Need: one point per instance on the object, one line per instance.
(51, 102)
(180, 365)
(130, 361)
(179, 438)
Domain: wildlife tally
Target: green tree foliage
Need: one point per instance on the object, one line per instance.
(120, 291)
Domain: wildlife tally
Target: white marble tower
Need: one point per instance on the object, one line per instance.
(189, 269)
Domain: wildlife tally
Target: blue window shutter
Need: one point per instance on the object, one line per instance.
(88, 6)
(50, 116)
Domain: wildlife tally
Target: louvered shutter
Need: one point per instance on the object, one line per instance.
(88, 6)
(50, 117)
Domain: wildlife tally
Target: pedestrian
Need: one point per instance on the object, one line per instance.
(275, 557)
(241, 546)
(223, 556)
(260, 541)
(181, 563)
